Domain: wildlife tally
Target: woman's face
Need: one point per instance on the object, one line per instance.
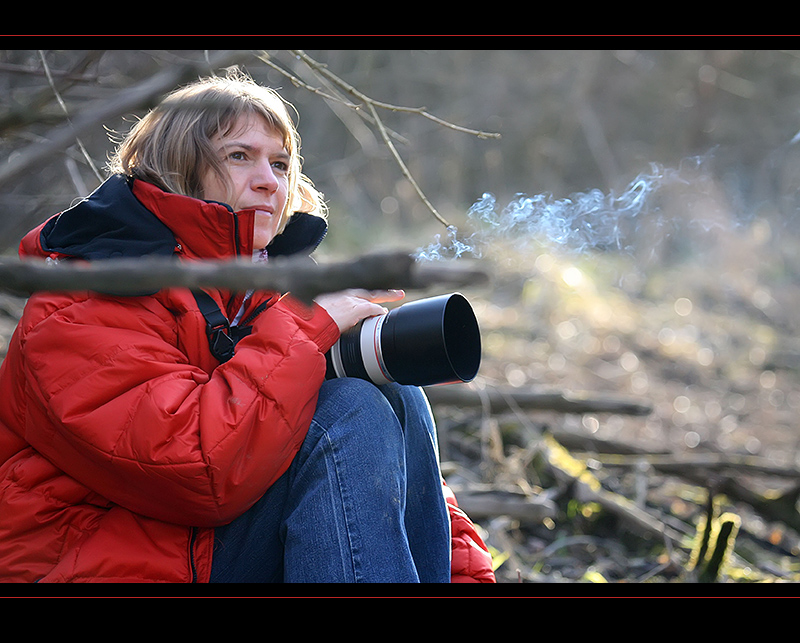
(258, 167)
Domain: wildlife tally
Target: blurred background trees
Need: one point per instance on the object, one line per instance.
(570, 120)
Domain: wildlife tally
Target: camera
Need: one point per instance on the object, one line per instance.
(424, 342)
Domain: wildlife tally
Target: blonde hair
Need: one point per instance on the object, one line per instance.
(171, 146)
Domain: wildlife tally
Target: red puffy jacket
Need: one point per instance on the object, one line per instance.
(118, 427)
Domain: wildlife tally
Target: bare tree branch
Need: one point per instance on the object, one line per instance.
(403, 168)
(301, 277)
(126, 101)
(372, 107)
(63, 106)
(28, 112)
(421, 111)
(297, 82)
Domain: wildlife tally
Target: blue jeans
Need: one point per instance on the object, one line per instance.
(361, 502)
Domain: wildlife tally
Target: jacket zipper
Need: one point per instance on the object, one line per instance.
(236, 233)
(192, 563)
(259, 309)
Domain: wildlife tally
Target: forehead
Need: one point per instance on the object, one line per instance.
(249, 127)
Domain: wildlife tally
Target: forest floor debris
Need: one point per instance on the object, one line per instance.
(610, 495)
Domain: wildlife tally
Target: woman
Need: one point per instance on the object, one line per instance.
(133, 449)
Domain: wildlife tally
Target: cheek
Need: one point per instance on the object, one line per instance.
(284, 189)
(214, 188)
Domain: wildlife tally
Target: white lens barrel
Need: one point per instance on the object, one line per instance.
(371, 354)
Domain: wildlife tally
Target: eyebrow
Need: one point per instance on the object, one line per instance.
(283, 154)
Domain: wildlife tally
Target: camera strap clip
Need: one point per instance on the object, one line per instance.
(220, 340)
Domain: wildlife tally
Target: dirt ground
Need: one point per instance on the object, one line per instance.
(710, 342)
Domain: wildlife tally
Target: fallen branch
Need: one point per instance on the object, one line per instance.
(584, 486)
(724, 472)
(690, 463)
(487, 502)
(771, 505)
(304, 279)
(585, 442)
(500, 399)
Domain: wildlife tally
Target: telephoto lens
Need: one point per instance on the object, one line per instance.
(421, 343)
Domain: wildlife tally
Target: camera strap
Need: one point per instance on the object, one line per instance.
(222, 337)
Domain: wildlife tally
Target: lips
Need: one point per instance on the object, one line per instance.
(263, 209)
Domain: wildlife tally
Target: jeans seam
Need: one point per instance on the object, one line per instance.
(345, 500)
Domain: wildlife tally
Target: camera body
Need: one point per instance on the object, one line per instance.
(421, 343)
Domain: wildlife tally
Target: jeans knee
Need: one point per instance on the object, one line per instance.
(355, 405)
(348, 386)
(406, 400)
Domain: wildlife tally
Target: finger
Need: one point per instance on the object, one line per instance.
(380, 296)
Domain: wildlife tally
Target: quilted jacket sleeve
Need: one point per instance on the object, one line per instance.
(115, 403)
(471, 561)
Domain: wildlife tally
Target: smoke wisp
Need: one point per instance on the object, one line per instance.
(584, 221)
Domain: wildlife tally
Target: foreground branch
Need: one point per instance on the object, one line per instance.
(304, 279)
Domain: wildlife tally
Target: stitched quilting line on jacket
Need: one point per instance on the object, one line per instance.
(260, 391)
(125, 426)
(59, 316)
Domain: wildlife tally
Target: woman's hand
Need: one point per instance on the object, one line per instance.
(349, 307)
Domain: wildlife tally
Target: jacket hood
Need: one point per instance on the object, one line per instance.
(126, 218)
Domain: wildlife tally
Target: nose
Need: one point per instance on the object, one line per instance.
(264, 178)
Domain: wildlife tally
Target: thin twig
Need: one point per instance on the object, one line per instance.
(372, 107)
(63, 105)
(421, 111)
(99, 111)
(297, 82)
(403, 168)
(331, 93)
